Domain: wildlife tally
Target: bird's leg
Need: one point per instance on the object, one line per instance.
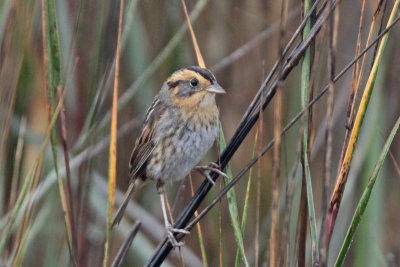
(168, 227)
(212, 167)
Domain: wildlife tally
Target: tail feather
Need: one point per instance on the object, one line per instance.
(125, 201)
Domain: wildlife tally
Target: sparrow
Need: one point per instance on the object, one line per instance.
(179, 128)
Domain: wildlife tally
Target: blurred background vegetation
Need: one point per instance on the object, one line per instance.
(240, 43)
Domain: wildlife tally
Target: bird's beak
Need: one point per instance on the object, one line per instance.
(216, 88)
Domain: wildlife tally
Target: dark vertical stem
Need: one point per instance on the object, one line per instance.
(303, 223)
(327, 172)
(74, 237)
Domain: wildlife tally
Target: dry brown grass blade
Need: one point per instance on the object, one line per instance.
(276, 168)
(354, 87)
(274, 237)
(356, 82)
(112, 167)
(356, 79)
(71, 211)
(258, 193)
(200, 59)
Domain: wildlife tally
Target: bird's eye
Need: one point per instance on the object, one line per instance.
(194, 82)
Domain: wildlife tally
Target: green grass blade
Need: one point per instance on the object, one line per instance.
(52, 46)
(365, 197)
(53, 66)
(232, 203)
(246, 201)
(311, 212)
(305, 84)
(52, 61)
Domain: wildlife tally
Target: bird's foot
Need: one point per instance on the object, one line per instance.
(171, 237)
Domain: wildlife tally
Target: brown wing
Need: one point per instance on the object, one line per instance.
(144, 145)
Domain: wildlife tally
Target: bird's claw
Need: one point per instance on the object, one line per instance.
(211, 167)
(202, 171)
(214, 165)
(171, 237)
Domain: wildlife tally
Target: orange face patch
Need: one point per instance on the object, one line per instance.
(189, 102)
(193, 101)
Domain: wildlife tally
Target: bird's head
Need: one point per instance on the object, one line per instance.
(192, 87)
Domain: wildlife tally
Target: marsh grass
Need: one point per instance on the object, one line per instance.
(58, 64)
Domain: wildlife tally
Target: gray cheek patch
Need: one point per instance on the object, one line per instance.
(185, 90)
